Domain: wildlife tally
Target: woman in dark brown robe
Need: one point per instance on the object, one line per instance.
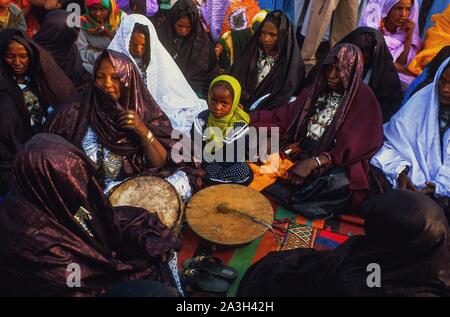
(116, 121)
(405, 252)
(31, 83)
(330, 132)
(379, 70)
(56, 218)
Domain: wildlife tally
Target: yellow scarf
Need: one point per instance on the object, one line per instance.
(235, 115)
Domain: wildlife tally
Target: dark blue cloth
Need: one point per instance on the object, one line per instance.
(412, 87)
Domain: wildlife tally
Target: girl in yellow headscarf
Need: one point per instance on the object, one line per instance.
(223, 129)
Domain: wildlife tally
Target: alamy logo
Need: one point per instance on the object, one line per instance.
(374, 278)
(73, 19)
(256, 147)
(74, 277)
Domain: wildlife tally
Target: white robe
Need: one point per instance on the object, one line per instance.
(412, 139)
(165, 81)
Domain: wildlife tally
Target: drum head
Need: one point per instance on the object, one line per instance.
(228, 228)
(151, 193)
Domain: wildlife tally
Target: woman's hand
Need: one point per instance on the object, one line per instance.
(402, 69)
(408, 28)
(301, 170)
(154, 151)
(431, 187)
(405, 183)
(131, 120)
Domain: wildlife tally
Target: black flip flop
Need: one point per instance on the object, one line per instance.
(211, 264)
(199, 280)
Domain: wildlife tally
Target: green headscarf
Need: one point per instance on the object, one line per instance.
(236, 114)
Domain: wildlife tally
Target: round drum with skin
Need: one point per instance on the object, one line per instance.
(230, 228)
(153, 194)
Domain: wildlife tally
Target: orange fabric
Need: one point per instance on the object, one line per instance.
(268, 173)
(436, 38)
(251, 9)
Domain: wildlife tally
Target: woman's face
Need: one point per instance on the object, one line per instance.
(183, 27)
(17, 59)
(221, 101)
(269, 38)
(333, 80)
(444, 88)
(99, 13)
(137, 45)
(107, 78)
(399, 13)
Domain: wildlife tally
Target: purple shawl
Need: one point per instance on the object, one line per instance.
(214, 12)
(43, 230)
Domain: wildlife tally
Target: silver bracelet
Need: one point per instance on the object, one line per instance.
(150, 136)
(318, 161)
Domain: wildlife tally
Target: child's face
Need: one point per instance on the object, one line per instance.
(4, 3)
(221, 102)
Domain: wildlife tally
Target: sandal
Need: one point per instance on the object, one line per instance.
(212, 265)
(199, 280)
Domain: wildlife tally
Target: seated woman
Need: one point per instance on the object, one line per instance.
(221, 129)
(58, 39)
(137, 39)
(28, 90)
(398, 21)
(437, 37)
(98, 27)
(329, 132)
(116, 121)
(379, 70)
(57, 208)
(406, 237)
(184, 37)
(415, 154)
(270, 67)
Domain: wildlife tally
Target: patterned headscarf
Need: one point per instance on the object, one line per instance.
(239, 15)
(351, 65)
(89, 24)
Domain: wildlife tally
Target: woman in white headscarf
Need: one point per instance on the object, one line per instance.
(164, 79)
(416, 151)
